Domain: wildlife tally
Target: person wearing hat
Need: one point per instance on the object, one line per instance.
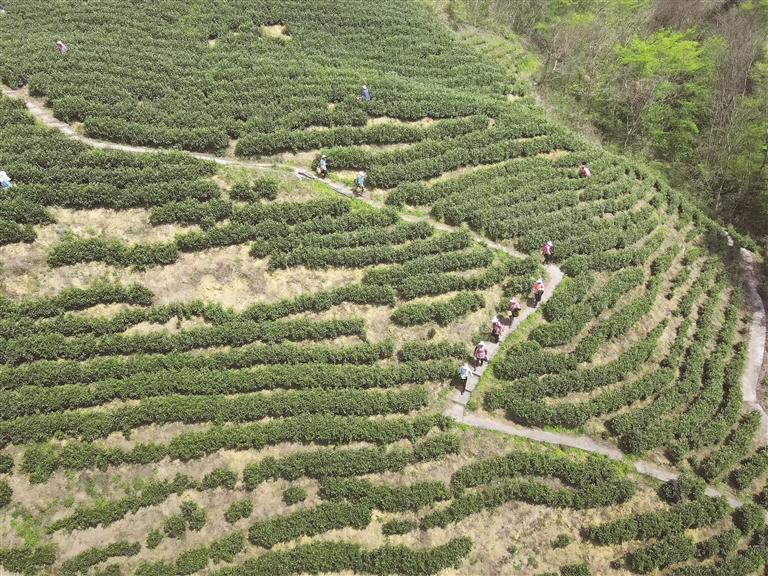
(513, 309)
(538, 291)
(546, 250)
(496, 328)
(61, 47)
(464, 373)
(360, 183)
(481, 354)
(322, 167)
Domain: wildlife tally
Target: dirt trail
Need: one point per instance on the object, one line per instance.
(750, 379)
(456, 409)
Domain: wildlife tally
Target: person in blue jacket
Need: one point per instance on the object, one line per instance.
(366, 94)
(360, 183)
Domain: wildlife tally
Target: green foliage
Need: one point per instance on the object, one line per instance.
(340, 556)
(562, 541)
(443, 312)
(294, 494)
(685, 487)
(238, 510)
(6, 493)
(674, 548)
(153, 539)
(83, 561)
(395, 527)
(749, 518)
(661, 524)
(6, 463)
(27, 560)
(324, 517)
(383, 497)
(736, 446)
(575, 570)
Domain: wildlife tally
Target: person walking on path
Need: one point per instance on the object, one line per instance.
(496, 329)
(464, 373)
(513, 310)
(322, 167)
(547, 250)
(481, 354)
(360, 183)
(538, 291)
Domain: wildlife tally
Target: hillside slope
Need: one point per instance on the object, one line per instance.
(223, 369)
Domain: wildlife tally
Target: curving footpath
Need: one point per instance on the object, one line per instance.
(750, 379)
(457, 404)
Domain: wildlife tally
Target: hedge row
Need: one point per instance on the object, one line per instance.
(78, 299)
(532, 492)
(750, 469)
(263, 188)
(11, 232)
(291, 212)
(443, 312)
(475, 257)
(294, 140)
(369, 255)
(27, 560)
(437, 350)
(744, 564)
(661, 524)
(571, 321)
(191, 561)
(40, 461)
(338, 557)
(83, 561)
(22, 211)
(736, 446)
(152, 493)
(370, 236)
(190, 212)
(613, 260)
(238, 233)
(674, 548)
(196, 409)
(31, 401)
(322, 518)
(85, 196)
(54, 346)
(383, 497)
(47, 373)
(345, 462)
(113, 252)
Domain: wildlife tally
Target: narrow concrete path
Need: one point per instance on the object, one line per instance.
(456, 409)
(750, 379)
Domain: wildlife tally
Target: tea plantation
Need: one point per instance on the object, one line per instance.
(214, 366)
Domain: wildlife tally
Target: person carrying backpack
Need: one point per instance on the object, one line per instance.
(360, 183)
(546, 250)
(481, 354)
(496, 329)
(513, 309)
(322, 167)
(538, 291)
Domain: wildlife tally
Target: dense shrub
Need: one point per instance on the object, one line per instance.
(395, 527)
(443, 312)
(83, 561)
(294, 495)
(238, 510)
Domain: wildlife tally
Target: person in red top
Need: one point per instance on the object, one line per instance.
(513, 309)
(496, 329)
(546, 250)
(481, 354)
(538, 291)
(584, 171)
